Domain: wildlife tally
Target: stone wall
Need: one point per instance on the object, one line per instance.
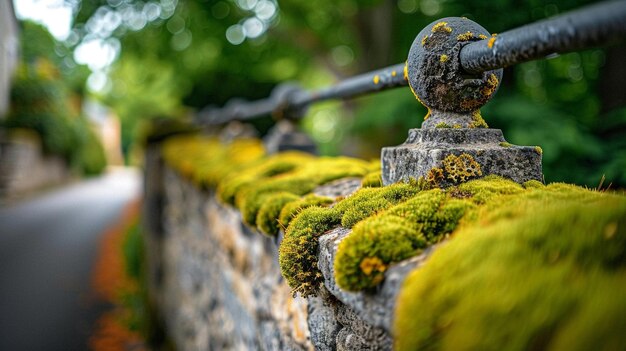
(24, 168)
(218, 284)
(510, 257)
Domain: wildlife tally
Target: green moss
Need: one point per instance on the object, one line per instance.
(369, 201)
(505, 144)
(374, 165)
(299, 181)
(365, 254)
(297, 254)
(372, 180)
(486, 188)
(533, 184)
(267, 218)
(291, 209)
(298, 251)
(443, 125)
(546, 271)
(269, 167)
(433, 215)
(396, 234)
(250, 199)
(206, 161)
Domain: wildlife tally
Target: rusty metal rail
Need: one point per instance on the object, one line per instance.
(588, 27)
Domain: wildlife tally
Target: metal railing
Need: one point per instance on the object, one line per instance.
(473, 55)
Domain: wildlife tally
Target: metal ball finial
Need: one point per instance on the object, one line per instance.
(437, 79)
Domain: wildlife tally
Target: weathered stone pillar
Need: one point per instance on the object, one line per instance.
(454, 144)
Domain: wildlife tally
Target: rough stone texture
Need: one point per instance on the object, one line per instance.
(435, 73)
(152, 224)
(341, 187)
(221, 287)
(24, 168)
(217, 283)
(374, 307)
(425, 149)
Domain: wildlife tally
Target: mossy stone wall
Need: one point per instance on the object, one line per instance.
(409, 265)
(220, 285)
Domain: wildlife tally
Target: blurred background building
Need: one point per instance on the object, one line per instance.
(8, 52)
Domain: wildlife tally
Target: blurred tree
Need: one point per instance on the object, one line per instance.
(46, 98)
(204, 52)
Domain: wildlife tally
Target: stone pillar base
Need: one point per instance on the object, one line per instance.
(426, 149)
(285, 136)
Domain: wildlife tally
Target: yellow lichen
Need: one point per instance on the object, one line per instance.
(443, 58)
(372, 264)
(428, 113)
(441, 27)
(376, 79)
(505, 144)
(477, 121)
(465, 36)
(490, 86)
(393, 73)
(406, 77)
(435, 176)
(460, 168)
(539, 150)
(482, 36)
(492, 40)
(424, 40)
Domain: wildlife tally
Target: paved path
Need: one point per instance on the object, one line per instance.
(47, 250)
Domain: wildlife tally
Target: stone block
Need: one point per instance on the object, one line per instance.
(426, 149)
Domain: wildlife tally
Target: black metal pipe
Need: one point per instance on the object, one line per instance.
(383, 79)
(580, 29)
(584, 28)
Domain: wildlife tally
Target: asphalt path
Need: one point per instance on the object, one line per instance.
(47, 251)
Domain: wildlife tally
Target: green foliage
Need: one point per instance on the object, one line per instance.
(43, 99)
(554, 262)
(184, 58)
(144, 88)
(89, 156)
(133, 251)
